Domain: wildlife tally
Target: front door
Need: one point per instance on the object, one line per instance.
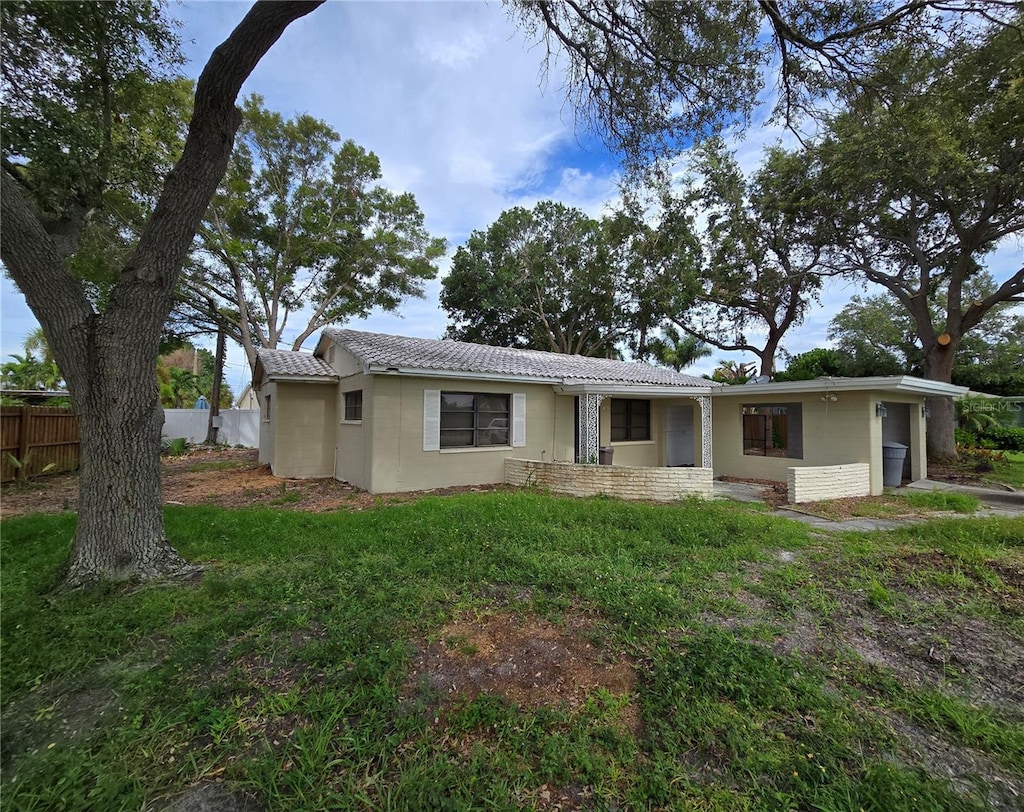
(679, 436)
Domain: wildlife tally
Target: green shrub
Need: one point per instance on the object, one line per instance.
(175, 447)
(1006, 438)
(966, 439)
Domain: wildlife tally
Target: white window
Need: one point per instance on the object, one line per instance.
(473, 420)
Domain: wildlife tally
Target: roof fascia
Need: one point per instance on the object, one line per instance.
(897, 383)
(560, 388)
(652, 390)
(416, 372)
(285, 378)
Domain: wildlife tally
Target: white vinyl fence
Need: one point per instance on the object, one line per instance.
(237, 426)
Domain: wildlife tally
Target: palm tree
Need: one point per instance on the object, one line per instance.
(29, 372)
(677, 351)
(733, 372)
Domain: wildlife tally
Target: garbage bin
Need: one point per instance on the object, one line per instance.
(604, 454)
(893, 455)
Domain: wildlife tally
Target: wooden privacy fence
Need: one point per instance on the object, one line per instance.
(37, 436)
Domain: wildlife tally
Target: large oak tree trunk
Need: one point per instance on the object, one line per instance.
(120, 533)
(109, 358)
(941, 436)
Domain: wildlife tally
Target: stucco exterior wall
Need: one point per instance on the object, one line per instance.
(396, 458)
(352, 442)
(835, 432)
(303, 423)
(814, 483)
(838, 429)
(624, 482)
(266, 455)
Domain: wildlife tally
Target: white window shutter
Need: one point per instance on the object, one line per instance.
(431, 419)
(518, 420)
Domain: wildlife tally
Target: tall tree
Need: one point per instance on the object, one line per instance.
(878, 337)
(652, 76)
(821, 362)
(549, 278)
(63, 66)
(300, 222)
(761, 265)
(919, 190)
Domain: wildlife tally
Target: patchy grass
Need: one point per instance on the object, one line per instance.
(516, 650)
(217, 465)
(892, 505)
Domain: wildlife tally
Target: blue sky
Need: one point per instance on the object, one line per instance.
(453, 100)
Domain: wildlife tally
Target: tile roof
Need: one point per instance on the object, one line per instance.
(288, 364)
(457, 356)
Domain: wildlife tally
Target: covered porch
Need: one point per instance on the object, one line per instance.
(636, 442)
(642, 427)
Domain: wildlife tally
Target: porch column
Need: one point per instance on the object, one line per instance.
(705, 431)
(589, 419)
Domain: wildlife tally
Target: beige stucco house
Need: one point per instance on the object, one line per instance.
(389, 413)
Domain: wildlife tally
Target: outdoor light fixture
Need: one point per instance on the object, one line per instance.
(925, 412)
(880, 410)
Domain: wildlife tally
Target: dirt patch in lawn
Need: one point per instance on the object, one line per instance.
(229, 478)
(961, 766)
(522, 658)
(920, 637)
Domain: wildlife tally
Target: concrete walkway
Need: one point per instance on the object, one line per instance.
(990, 496)
(996, 503)
(738, 491)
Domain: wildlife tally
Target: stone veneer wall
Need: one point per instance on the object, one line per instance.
(814, 483)
(623, 481)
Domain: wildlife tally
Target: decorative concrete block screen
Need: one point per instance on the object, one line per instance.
(623, 481)
(812, 484)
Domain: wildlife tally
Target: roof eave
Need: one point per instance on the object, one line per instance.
(649, 389)
(905, 384)
(279, 377)
(421, 372)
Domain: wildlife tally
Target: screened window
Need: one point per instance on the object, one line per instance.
(773, 430)
(471, 420)
(354, 405)
(266, 417)
(631, 420)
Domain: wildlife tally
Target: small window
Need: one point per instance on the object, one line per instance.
(266, 414)
(631, 420)
(354, 405)
(773, 430)
(470, 420)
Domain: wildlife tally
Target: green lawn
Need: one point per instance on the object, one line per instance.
(1010, 472)
(771, 668)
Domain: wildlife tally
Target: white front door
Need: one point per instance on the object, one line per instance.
(679, 435)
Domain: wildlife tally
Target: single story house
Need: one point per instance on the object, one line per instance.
(389, 413)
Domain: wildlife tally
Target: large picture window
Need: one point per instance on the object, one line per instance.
(631, 420)
(470, 420)
(773, 430)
